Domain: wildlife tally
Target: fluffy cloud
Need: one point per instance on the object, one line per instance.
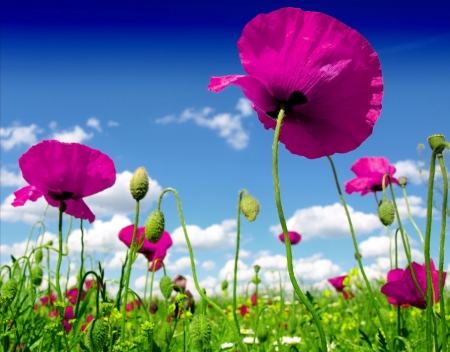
(413, 170)
(11, 179)
(18, 135)
(245, 273)
(18, 249)
(274, 262)
(208, 265)
(28, 213)
(94, 123)
(75, 135)
(328, 222)
(180, 265)
(214, 237)
(228, 126)
(415, 206)
(315, 268)
(112, 123)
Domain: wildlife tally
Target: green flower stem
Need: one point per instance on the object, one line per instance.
(441, 251)
(236, 258)
(41, 224)
(194, 274)
(287, 240)
(60, 255)
(258, 316)
(128, 273)
(80, 276)
(153, 276)
(410, 216)
(390, 246)
(358, 258)
(146, 283)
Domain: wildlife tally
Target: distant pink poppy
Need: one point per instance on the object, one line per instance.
(68, 315)
(130, 305)
(89, 319)
(338, 284)
(369, 173)
(150, 250)
(404, 290)
(65, 172)
(153, 307)
(244, 310)
(53, 313)
(295, 237)
(44, 300)
(91, 284)
(325, 74)
(72, 295)
(254, 300)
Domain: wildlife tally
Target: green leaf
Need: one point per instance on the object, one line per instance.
(365, 337)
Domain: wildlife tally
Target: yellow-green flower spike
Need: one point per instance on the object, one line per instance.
(154, 226)
(96, 335)
(200, 332)
(9, 289)
(139, 184)
(386, 212)
(250, 207)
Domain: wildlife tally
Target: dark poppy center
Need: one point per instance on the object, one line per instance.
(60, 195)
(296, 98)
(376, 188)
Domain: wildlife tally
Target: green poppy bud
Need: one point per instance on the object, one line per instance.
(36, 275)
(256, 280)
(403, 181)
(257, 268)
(436, 139)
(262, 334)
(386, 212)
(154, 226)
(224, 285)
(250, 207)
(9, 289)
(96, 335)
(38, 256)
(49, 243)
(292, 324)
(200, 332)
(166, 286)
(139, 184)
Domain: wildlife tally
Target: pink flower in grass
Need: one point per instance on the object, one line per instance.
(68, 315)
(45, 300)
(64, 172)
(254, 299)
(72, 295)
(369, 173)
(295, 237)
(89, 319)
(91, 284)
(244, 310)
(338, 284)
(325, 74)
(150, 250)
(401, 288)
(392, 276)
(130, 305)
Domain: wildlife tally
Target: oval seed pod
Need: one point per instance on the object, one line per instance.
(200, 332)
(154, 226)
(386, 212)
(224, 285)
(36, 275)
(96, 335)
(38, 256)
(139, 184)
(166, 286)
(250, 207)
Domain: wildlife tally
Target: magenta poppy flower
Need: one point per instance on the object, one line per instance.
(150, 250)
(91, 284)
(64, 172)
(295, 237)
(338, 282)
(254, 299)
(54, 313)
(45, 300)
(72, 295)
(402, 288)
(369, 173)
(130, 306)
(392, 276)
(244, 310)
(325, 74)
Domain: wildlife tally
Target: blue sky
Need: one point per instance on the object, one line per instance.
(108, 75)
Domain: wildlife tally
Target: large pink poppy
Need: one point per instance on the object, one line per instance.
(325, 74)
(392, 276)
(64, 172)
(338, 284)
(294, 237)
(150, 250)
(404, 290)
(369, 173)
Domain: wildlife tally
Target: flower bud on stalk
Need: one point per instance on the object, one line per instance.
(436, 139)
(36, 275)
(403, 181)
(386, 212)
(262, 334)
(38, 256)
(250, 207)
(154, 226)
(224, 285)
(166, 286)
(200, 332)
(139, 184)
(96, 336)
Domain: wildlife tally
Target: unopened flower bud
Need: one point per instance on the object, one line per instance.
(434, 141)
(166, 286)
(292, 324)
(403, 181)
(38, 256)
(257, 268)
(139, 184)
(49, 243)
(96, 336)
(154, 226)
(9, 289)
(200, 332)
(386, 212)
(224, 285)
(262, 334)
(153, 307)
(36, 275)
(250, 207)
(256, 280)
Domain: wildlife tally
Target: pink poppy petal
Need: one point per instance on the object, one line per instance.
(24, 194)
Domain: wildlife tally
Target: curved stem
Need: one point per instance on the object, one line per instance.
(194, 273)
(287, 240)
(358, 256)
(411, 218)
(60, 254)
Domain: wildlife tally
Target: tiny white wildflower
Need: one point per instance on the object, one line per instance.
(247, 331)
(226, 345)
(249, 340)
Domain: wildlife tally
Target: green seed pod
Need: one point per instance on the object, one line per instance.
(96, 335)
(292, 324)
(256, 280)
(9, 289)
(386, 212)
(200, 332)
(403, 181)
(250, 207)
(139, 184)
(434, 141)
(49, 243)
(166, 286)
(38, 256)
(36, 275)
(154, 226)
(262, 334)
(224, 285)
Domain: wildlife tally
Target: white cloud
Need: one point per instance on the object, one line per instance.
(18, 249)
(9, 178)
(208, 265)
(329, 222)
(315, 268)
(210, 284)
(244, 273)
(268, 262)
(415, 206)
(229, 126)
(244, 254)
(94, 123)
(18, 135)
(180, 265)
(413, 170)
(112, 123)
(28, 213)
(214, 237)
(76, 135)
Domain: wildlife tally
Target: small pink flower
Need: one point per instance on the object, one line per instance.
(130, 306)
(253, 298)
(67, 326)
(369, 173)
(44, 300)
(150, 250)
(325, 74)
(65, 172)
(91, 284)
(54, 313)
(72, 295)
(244, 310)
(153, 307)
(295, 237)
(338, 284)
